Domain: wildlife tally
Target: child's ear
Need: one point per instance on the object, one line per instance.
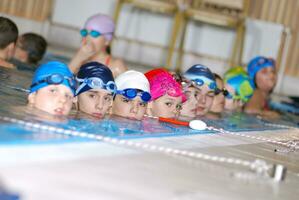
(10, 50)
(31, 98)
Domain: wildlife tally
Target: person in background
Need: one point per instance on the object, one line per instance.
(95, 91)
(219, 99)
(262, 74)
(97, 35)
(30, 50)
(167, 94)
(203, 79)
(8, 38)
(52, 89)
(132, 96)
(239, 89)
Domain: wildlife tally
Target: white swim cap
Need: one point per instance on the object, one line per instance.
(132, 80)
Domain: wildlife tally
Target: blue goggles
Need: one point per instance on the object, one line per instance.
(132, 93)
(92, 33)
(199, 82)
(96, 83)
(56, 79)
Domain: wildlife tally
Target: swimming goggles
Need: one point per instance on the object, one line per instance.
(223, 91)
(95, 83)
(56, 79)
(132, 93)
(200, 82)
(92, 33)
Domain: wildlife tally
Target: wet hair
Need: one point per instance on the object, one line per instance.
(35, 45)
(217, 76)
(8, 32)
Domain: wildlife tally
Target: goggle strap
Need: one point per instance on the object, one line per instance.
(80, 88)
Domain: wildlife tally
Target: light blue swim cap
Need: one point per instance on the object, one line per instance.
(48, 69)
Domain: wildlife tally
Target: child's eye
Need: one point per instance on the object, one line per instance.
(68, 96)
(107, 98)
(211, 95)
(178, 107)
(169, 104)
(125, 100)
(53, 90)
(91, 96)
(142, 104)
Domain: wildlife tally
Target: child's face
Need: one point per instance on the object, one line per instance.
(99, 43)
(266, 79)
(165, 106)
(54, 99)
(205, 100)
(19, 53)
(95, 102)
(129, 108)
(189, 107)
(232, 104)
(218, 102)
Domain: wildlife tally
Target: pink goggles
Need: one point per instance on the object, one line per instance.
(162, 82)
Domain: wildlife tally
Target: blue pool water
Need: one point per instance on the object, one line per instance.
(13, 100)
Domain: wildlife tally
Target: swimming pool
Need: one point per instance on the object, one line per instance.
(66, 155)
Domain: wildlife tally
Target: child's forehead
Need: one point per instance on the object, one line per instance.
(98, 91)
(57, 86)
(167, 97)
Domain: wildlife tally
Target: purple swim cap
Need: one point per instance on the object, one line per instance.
(101, 23)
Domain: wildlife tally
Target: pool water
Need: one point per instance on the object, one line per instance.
(13, 100)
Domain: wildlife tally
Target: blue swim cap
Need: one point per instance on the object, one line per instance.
(52, 68)
(95, 71)
(202, 73)
(256, 64)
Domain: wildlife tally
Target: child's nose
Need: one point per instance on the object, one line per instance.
(99, 104)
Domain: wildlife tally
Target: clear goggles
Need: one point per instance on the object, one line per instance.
(96, 83)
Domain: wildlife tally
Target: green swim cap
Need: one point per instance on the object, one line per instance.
(238, 79)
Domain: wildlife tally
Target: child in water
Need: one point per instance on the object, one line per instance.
(204, 81)
(189, 107)
(133, 94)
(96, 88)
(30, 50)
(262, 74)
(8, 38)
(219, 99)
(52, 89)
(167, 94)
(97, 35)
(239, 89)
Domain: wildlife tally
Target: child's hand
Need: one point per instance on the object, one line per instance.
(86, 51)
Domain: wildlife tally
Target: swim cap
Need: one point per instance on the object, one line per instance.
(94, 70)
(162, 82)
(132, 80)
(101, 23)
(47, 69)
(201, 75)
(238, 79)
(256, 64)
